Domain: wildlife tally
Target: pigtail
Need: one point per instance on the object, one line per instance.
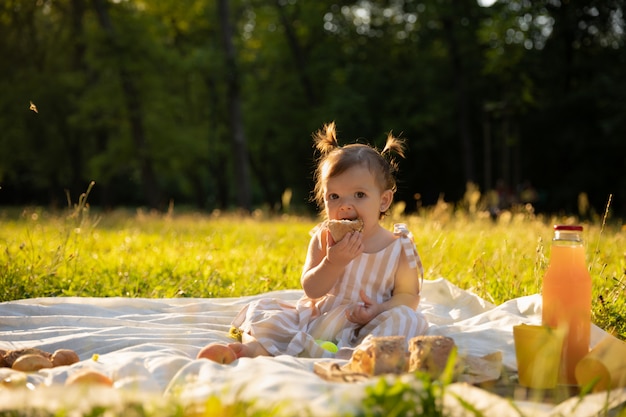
(393, 145)
(326, 138)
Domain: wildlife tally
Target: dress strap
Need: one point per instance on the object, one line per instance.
(408, 245)
(317, 228)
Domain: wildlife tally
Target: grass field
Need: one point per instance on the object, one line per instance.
(79, 252)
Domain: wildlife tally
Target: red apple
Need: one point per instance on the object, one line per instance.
(217, 353)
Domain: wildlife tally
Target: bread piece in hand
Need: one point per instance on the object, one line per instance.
(430, 354)
(340, 228)
(380, 355)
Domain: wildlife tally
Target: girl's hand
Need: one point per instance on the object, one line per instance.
(364, 311)
(326, 261)
(344, 251)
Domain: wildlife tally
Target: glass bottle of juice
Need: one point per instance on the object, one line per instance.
(566, 297)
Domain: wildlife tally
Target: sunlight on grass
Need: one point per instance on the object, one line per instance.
(150, 256)
(137, 254)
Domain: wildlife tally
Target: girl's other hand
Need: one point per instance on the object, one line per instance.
(364, 311)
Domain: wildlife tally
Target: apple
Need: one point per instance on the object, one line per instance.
(217, 353)
(329, 346)
(89, 377)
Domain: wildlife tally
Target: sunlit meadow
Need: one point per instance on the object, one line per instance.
(81, 252)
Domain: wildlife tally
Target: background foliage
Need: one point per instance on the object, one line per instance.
(211, 103)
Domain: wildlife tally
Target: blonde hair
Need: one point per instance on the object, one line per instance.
(334, 160)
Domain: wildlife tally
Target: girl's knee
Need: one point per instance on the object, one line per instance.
(402, 312)
(407, 319)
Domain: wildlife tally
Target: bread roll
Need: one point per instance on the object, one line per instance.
(339, 228)
(31, 362)
(62, 357)
(10, 356)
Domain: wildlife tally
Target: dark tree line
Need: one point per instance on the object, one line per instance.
(211, 104)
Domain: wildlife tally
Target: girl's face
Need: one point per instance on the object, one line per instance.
(354, 194)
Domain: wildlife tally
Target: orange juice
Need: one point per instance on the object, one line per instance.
(566, 296)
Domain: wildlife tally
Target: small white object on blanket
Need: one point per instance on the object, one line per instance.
(148, 347)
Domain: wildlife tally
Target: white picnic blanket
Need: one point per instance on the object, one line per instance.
(148, 347)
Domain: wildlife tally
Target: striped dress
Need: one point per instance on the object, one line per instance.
(284, 328)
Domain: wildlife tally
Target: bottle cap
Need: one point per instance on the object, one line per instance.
(568, 227)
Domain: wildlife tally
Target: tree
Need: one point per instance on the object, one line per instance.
(213, 103)
(134, 109)
(240, 149)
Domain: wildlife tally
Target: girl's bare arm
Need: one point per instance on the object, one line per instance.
(325, 262)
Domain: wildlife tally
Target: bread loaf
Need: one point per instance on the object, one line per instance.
(380, 355)
(430, 354)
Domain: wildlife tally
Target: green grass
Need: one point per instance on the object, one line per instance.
(137, 254)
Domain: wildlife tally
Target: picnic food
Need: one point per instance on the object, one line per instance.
(430, 354)
(339, 228)
(327, 345)
(31, 362)
(62, 357)
(33, 359)
(388, 354)
(380, 355)
(217, 353)
(88, 376)
(10, 356)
